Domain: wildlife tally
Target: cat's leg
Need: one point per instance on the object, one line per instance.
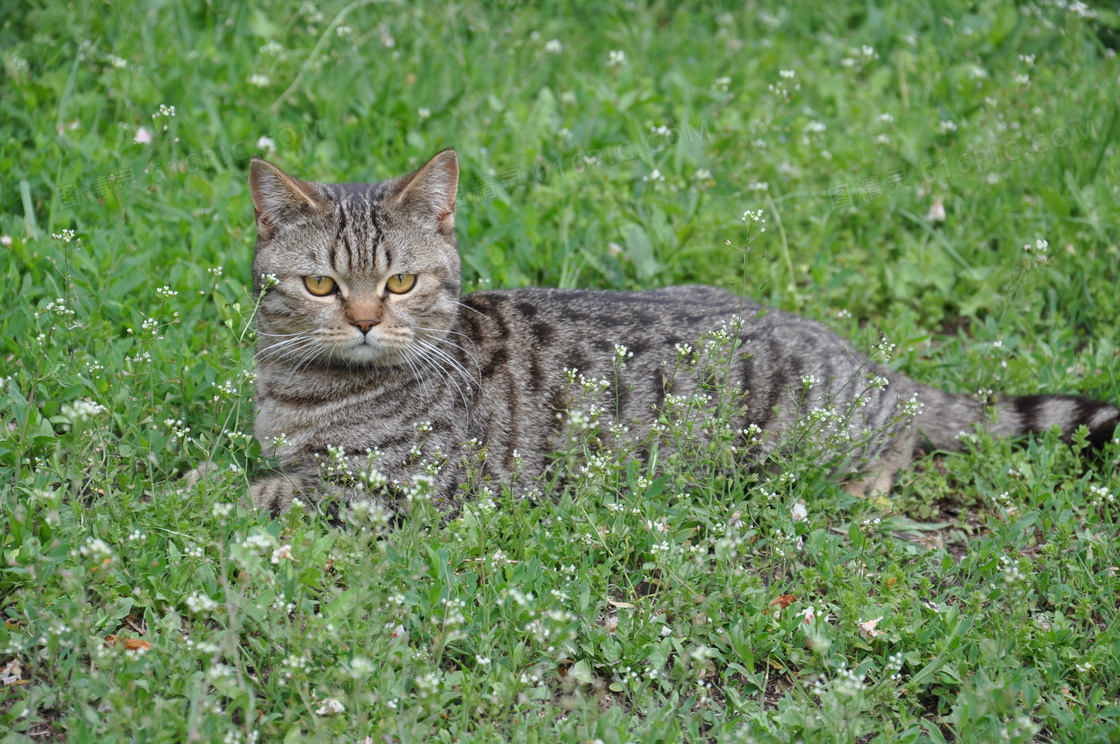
(877, 481)
(276, 492)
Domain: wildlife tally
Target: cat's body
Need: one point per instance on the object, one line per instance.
(417, 373)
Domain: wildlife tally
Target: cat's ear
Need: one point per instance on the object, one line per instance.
(430, 191)
(278, 198)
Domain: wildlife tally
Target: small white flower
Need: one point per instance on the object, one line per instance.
(82, 410)
(267, 144)
(617, 58)
(199, 603)
(283, 552)
(330, 707)
(6, 241)
(867, 628)
(343, 31)
(554, 46)
(886, 118)
(143, 136)
(947, 126)
(424, 113)
(936, 211)
(798, 513)
(259, 80)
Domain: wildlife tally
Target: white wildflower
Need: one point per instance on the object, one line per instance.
(936, 211)
(330, 707)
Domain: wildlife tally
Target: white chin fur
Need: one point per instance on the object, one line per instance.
(366, 353)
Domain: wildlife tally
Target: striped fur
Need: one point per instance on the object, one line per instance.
(436, 369)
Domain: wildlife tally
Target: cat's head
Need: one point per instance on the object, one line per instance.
(365, 274)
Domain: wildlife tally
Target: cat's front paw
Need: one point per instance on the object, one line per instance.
(275, 493)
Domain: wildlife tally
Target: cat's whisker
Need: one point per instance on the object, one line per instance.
(457, 346)
(281, 345)
(292, 337)
(444, 373)
(468, 307)
(415, 360)
(446, 376)
(477, 366)
(449, 374)
(315, 351)
(450, 360)
(417, 373)
(442, 330)
(281, 354)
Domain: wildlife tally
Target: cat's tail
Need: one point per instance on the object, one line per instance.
(947, 415)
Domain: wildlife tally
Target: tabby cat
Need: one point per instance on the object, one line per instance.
(366, 344)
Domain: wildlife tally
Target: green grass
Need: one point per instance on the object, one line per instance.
(634, 605)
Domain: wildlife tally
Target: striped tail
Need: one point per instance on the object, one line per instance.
(950, 414)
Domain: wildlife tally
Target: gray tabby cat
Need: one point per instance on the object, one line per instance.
(366, 344)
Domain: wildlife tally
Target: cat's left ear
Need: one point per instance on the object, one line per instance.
(430, 191)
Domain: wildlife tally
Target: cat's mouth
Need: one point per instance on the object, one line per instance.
(368, 350)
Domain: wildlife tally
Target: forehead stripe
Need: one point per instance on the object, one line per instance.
(379, 237)
(341, 234)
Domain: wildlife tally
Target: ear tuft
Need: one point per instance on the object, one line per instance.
(278, 198)
(430, 192)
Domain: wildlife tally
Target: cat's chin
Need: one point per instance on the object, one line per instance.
(366, 354)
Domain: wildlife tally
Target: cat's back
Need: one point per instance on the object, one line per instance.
(555, 315)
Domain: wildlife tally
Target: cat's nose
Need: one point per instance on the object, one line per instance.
(364, 325)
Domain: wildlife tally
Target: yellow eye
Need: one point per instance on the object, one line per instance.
(320, 286)
(400, 283)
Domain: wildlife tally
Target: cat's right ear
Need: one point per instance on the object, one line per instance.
(278, 198)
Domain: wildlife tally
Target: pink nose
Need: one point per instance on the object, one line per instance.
(364, 325)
